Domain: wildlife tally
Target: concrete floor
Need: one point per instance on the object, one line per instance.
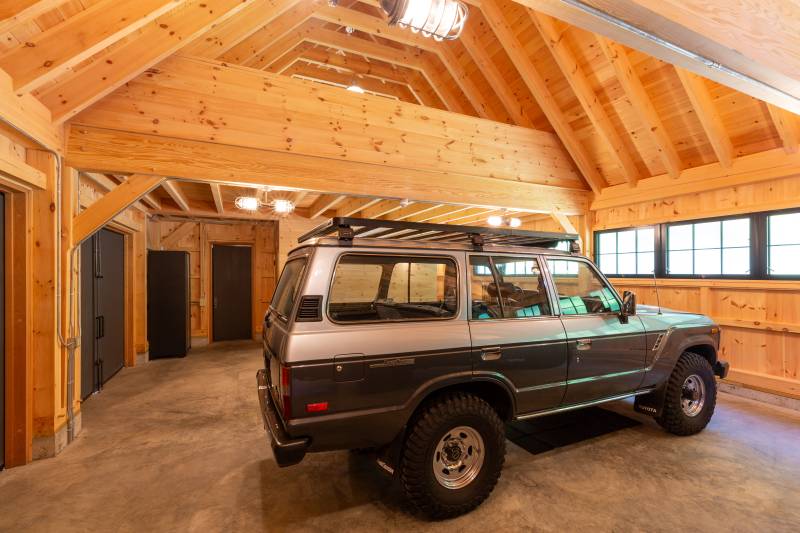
(177, 445)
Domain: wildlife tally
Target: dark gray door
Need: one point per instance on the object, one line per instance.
(88, 321)
(231, 288)
(2, 332)
(110, 272)
(606, 355)
(102, 309)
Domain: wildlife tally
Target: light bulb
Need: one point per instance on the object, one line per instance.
(495, 220)
(248, 203)
(514, 222)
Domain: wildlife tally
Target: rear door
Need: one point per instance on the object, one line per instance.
(606, 355)
(515, 330)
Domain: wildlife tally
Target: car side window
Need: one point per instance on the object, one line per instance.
(507, 287)
(521, 287)
(374, 288)
(581, 291)
(485, 301)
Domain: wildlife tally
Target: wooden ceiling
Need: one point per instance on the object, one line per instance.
(622, 115)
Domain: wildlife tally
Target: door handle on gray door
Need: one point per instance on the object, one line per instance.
(584, 344)
(491, 354)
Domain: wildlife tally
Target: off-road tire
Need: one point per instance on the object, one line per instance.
(672, 417)
(423, 491)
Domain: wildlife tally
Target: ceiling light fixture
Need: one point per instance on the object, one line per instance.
(440, 19)
(503, 220)
(283, 207)
(280, 206)
(247, 203)
(353, 88)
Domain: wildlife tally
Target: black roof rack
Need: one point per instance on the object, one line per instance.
(348, 228)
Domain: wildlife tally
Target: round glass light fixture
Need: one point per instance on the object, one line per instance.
(283, 207)
(247, 203)
(495, 220)
(440, 19)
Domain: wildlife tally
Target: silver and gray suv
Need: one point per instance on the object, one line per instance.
(422, 340)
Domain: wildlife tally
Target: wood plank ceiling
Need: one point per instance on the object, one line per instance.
(622, 115)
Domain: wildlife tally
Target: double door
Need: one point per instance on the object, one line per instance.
(551, 327)
(102, 309)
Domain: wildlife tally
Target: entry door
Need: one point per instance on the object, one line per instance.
(231, 288)
(606, 355)
(102, 309)
(110, 272)
(515, 332)
(2, 332)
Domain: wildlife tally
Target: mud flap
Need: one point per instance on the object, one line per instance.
(651, 403)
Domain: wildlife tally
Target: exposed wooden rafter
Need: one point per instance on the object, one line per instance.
(703, 106)
(634, 90)
(788, 126)
(153, 42)
(174, 191)
(216, 193)
(540, 91)
(553, 34)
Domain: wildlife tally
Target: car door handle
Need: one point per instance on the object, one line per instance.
(491, 354)
(584, 344)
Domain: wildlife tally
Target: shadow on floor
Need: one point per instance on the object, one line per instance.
(540, 435)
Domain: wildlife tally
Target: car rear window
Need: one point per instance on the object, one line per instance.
(284, 297)
(375, 288)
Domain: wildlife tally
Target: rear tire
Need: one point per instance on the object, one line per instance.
(690, 397)
(452, 456)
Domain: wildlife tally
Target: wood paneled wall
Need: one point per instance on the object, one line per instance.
(197, 238)
(760, 320)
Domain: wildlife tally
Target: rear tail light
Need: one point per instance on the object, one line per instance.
(286, 391)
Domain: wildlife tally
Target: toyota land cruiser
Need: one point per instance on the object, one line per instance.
(422, 340)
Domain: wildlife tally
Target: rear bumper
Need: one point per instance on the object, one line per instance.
(721, 369)
(287, 450)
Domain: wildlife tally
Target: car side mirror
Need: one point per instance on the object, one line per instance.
(628, 306)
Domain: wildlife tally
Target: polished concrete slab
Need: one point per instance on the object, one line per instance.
(177, 445)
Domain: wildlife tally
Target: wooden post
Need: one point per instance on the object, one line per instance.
(48, 410)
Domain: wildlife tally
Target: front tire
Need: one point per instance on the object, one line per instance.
(452, 456)
(690, 397)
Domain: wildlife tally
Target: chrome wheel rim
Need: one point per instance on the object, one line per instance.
(693, 395)
(458, 457)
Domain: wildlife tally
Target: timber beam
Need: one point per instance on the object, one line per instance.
(117, 200)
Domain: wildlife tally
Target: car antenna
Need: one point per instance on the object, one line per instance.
(655, 286)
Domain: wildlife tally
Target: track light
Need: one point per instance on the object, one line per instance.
(440, 19)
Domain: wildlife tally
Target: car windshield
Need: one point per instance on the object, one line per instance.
(284, 297)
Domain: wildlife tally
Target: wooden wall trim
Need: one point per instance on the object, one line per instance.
(754, 168)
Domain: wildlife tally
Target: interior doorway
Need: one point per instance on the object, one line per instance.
(102, 309)
(231, 280)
